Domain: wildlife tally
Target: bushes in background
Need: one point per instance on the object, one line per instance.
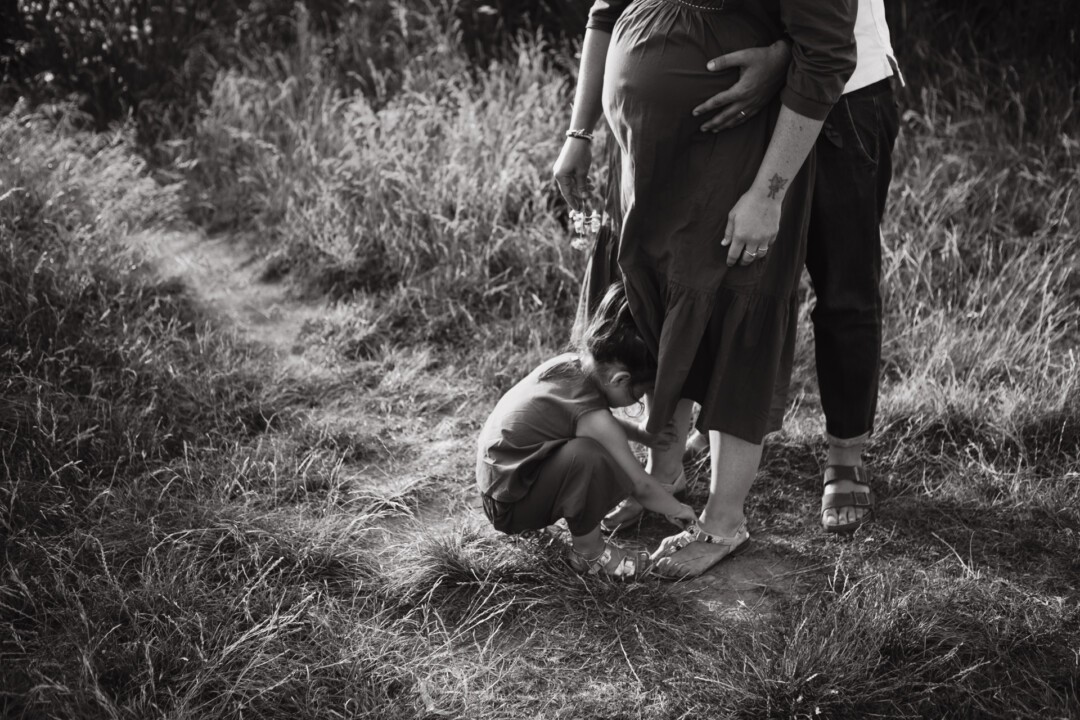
(145, 58)
(156, 59)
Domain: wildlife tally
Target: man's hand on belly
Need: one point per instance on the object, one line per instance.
(761, 75)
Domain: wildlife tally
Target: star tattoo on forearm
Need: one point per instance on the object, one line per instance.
(776, 184)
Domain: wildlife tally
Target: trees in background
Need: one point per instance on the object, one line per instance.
(154, 59)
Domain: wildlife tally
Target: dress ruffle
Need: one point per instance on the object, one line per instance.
(729, 350)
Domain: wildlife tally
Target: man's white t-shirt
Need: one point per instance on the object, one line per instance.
(876, 58)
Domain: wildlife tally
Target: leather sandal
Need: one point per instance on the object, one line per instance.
(853, 499)
(629, 566)
(736, 543)
(630, 509)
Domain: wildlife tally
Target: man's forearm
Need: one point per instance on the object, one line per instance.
(792, 139)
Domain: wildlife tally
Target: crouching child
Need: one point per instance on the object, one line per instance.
(552, 449)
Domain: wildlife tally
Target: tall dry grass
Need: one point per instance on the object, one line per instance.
(436, 202)
(106, 373)
(445, 183)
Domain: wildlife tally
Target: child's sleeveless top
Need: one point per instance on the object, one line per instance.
(531, 421)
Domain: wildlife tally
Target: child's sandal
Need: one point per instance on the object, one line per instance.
(630, 565)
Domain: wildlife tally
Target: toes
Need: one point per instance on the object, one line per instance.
(666, 560)
(844, 515)
(669, 568)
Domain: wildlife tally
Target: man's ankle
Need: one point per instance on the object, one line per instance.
(847, 451)
(845, 456)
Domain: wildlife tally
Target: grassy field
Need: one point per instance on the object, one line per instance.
(240, 384)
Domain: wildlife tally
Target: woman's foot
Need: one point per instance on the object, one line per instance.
(847, 503)
(695, 550)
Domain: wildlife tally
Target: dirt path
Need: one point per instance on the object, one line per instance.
(224, 276)
(412, 459)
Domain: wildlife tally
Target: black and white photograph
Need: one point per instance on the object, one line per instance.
(539, 359)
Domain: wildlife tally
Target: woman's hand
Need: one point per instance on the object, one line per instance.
(572, 171)
(753, 223)
(683, 518)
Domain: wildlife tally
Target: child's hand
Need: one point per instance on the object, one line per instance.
(684, 517)
(659, 441)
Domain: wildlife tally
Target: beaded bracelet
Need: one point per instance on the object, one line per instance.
(580, 135)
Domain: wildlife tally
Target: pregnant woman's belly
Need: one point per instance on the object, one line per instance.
(659, 50)
(679, 183)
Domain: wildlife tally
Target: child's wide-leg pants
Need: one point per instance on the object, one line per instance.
(580, 482)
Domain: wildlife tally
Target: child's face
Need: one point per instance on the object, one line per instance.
(638, 390)
(617, 386)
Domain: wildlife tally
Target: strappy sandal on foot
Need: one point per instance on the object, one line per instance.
(628, 565)
(854, 499)
(630, 509)
(735, 544)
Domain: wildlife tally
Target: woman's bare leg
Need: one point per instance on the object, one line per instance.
(734, 466)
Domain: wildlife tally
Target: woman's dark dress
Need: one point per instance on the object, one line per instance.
(724, 337)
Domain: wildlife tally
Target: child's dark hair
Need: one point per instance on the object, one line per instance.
(611, 336)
